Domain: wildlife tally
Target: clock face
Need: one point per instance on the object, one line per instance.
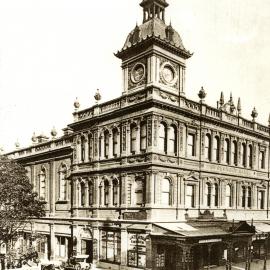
(168, 74)
(138, 73)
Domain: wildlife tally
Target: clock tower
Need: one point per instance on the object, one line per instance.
(153, 55)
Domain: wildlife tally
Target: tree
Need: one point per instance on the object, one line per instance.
(18, 203)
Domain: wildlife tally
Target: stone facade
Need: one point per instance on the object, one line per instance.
(127, 168)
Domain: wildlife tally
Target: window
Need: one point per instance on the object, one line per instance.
(82, 149)
(115, 143)
(162, 139)
(137, 250)
(91, 193)
(249, 197)
(110, 246)
(207, 148)
(261, 197)
(90, 146)
(262, 159)
(216, 195)
(228, 199)
(191, 145)
(190, 196)
(139, 191)
(62, 244)
(172, 142)
(243, 196)
(208, 191)
(250, 153)
(143, 136)
(216, 149)
(244, 154)
(106, 192)
(234, 153)
(227, 151)
(133, 138)
(166, 192)
(83, 193)
(42, 184)
(62, 183)
(106, 143)
(115, 192)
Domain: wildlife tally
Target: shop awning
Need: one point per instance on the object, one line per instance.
(261, 227)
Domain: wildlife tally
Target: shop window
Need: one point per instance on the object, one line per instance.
(140, 191)
(228, 200)
(227, 151)
(110, 246)
(133, 138)
(234, 153)
(208, 191)
(172, 140)
(166, 192)
(261, 199)
(162, 138)
(62, 183)
(216, 148)
(207, 147)
(216, 193)
(61, 246)
(106, 143)
(137, 250)
(191, 145)
(91, 192)
(143, 136)
(190, 196)
(160, 257)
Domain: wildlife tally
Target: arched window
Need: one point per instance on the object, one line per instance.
(115, 192)
(106, 192)
(90, 147)
(216, 193)
(249, 197)
(250, 153)
(228, 201)
(243, 196)
(207, 148)
(172, 140)
(91, 192)
(83, 194)
(244, 154)
(139, 191)
(133, 138)
(82, 149)
(115, 143)
(63, 183)
(106, 143)
(208, 192)
(227, 151)
(216, 149)
(262, 160)
(162, 138)
(42, 184)
(234, 153)
(166, 192)
(261, 199)
(143, 136)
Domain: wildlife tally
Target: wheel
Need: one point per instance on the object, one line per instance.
(78, 267)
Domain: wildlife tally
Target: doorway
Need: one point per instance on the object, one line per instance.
(87, 249)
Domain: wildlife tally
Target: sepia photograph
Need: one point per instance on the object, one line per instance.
(135, 134)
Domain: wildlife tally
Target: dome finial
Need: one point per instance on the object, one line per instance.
(17, 144)
(221, 100)
(53, 132)
(202, 94)
(34, 138)
(239, 107)
(254, 114)
(76, 104)
(154, 9)
(97, 96)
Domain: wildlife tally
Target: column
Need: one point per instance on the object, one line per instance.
(124, 246)
(138, 139)
(52, 188)
(96, 243)
(149, 189)
(124, 190)
(52, 240)
(101, 147)
(86, 147)
(111, 145)
(150, 252)
(127, 140)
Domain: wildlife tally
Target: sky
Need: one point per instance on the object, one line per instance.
(52, 51)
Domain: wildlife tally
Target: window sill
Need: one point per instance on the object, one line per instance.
(59, 201)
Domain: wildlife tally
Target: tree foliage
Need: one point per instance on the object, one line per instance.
(18, 203)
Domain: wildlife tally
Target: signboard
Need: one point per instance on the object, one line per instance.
(209, 241)
(135, 215)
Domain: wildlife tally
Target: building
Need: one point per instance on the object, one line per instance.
(153, 180)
